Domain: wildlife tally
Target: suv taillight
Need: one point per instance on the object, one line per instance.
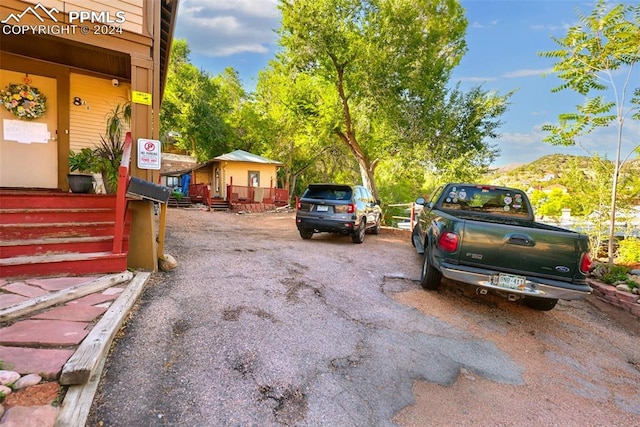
(585, 263)
(448, 241)
(350, 208)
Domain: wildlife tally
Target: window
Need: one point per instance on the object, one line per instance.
(254, 179)
(173, 181)
(489, 200)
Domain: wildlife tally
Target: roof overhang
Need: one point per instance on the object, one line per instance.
(92, 59)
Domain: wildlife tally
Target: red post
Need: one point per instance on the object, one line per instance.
(121, 196)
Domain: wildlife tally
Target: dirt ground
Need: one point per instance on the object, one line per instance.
(580, 362)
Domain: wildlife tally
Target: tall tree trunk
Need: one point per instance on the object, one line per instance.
(614, 196)
(348, 136)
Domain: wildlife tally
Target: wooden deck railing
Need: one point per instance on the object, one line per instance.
(121, 197)
(244, 194)
(199, 193)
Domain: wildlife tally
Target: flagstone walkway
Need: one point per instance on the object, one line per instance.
(45, 338)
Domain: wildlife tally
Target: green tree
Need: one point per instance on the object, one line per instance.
(592, 57)
(194, 108)
(551, 203)
(288, 107)
(452, 139)
(377, 57)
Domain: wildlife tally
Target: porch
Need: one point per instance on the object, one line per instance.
(45, 233)
(51, 232)
(238, 197)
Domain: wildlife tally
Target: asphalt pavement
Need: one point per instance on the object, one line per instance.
(257, 327)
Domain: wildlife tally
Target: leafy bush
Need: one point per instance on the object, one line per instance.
(629, 250)
(615, 273)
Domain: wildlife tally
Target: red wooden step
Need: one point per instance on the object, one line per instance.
(19, 248)
(48, 265)
(55, 230)
(57, 200)
(19, 216)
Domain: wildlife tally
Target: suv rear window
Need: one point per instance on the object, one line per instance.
(327, 193)
(489, 200)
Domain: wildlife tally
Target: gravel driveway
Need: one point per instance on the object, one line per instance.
(257, 327)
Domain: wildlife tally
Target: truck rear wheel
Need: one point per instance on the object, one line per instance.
(540, 304)
(306, 234)
(430, 277)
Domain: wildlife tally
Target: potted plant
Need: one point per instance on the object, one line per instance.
(108, 155)
(82, 162)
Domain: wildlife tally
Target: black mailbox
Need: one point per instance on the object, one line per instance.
(141, 189)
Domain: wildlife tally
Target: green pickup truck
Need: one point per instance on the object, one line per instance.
(487, 237)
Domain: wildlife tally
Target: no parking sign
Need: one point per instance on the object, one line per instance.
(148, 154)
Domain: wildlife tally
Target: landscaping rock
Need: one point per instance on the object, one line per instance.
(623, 287)
(168, 263)
(27, 381)
(8, 377)
(5, 391)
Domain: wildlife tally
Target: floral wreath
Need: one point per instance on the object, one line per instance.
(23, 101)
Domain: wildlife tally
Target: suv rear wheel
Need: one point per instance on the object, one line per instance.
(358, 235)
(376, 228)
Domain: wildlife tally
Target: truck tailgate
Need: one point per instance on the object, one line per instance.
(533, 250)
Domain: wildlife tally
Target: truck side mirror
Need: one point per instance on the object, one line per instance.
(421, 201)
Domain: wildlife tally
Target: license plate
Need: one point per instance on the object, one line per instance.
(322, 208)
(511, 281)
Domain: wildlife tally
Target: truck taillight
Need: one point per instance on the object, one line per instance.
(448, 241)
(585, 263)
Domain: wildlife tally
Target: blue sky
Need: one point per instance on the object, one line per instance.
(504, 38)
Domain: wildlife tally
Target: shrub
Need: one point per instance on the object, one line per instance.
(629, 250)
(615, 273)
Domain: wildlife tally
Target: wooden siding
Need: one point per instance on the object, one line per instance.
(88, 121)
(240, 173)
(203, 176)
(133, 9)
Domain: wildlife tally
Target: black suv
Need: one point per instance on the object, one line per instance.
(338, 208)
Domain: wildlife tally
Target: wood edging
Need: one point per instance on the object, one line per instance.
(53, 298)
(84, 369)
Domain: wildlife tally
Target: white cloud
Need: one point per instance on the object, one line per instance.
(551, 28)
(518, 147)
(526, 73)
(477, 79)
(220, 28)
(477, 24)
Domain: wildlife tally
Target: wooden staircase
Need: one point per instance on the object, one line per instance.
(219, 205)
(184, 202)
(56, 233)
